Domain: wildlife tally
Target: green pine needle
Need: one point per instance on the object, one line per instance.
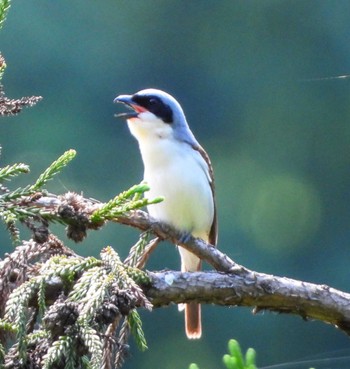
(126, 201)
(41, 297)
(12, 170)
(2, 67)
(4, 7)
(2, 355)
(135, 323)
(67, 268)
(49, 173)
(53, 169)
(7, 326)
(94, 344)
(94, 294)
(62, 348)
(138, 249)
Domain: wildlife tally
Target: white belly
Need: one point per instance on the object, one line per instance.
(187, 201)
(180, 177)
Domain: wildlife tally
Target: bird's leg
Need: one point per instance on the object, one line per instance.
(185, 237)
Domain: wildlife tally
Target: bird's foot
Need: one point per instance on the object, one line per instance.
(185, 237)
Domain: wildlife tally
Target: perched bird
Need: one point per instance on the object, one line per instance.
(178, 168)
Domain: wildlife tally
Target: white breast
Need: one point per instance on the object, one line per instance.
(179, 173)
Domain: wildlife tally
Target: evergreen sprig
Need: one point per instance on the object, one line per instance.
(17, 303)
(61, 349)
(36, 336)
(15, 205)
(137, 331)
(67, 267)
(41, 297)
(2, 355)
(10, 171)
(4, 7)
(85, 283)
(138, 249)
(123, 276)
(55, 168)
(92, 294)
(8, 198)
(6, 326)
(17, 313)
(93, 343)
(2, 63)
(126, 201)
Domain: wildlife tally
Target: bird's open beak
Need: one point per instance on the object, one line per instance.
(127, 100)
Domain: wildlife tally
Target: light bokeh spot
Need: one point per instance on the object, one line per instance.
(281, 212)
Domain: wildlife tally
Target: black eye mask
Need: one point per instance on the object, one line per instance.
(156, 106)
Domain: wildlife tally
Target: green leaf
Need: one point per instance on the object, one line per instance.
(230, 362)
(250, 357)
(235, 351)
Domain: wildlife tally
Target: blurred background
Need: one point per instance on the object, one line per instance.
(254, 80)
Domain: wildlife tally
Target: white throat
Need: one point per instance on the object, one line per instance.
(147, 127)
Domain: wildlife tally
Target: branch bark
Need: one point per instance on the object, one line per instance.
(258, 290)
(233, 284)
(236, 285)
(219, 261)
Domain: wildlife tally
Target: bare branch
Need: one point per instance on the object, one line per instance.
(258, 290)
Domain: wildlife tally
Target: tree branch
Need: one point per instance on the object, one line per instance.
(232, 284)
(239, 286)
(258, 290)
(221, 262)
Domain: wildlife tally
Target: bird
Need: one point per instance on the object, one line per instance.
(177, 168)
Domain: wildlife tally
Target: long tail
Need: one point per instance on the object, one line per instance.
(193, 323)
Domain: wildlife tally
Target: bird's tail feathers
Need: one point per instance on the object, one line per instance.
(193, 322)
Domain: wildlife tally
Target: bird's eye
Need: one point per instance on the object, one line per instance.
(153, 102)
(155, 105)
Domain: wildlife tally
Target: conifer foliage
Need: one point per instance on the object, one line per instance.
(58, 309)
(66, 311)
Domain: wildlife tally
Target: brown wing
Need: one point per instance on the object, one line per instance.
(213, 234)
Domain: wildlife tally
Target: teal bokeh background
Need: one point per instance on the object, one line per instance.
(249, 75)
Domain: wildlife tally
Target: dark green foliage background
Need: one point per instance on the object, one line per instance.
(246, 75)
